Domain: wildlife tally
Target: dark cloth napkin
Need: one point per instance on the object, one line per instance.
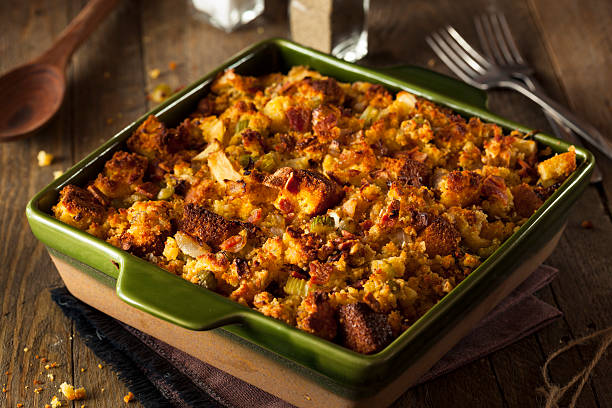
(162, 376)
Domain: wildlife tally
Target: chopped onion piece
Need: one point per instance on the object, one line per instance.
(211, 148)
(189, 246)
(221, 168)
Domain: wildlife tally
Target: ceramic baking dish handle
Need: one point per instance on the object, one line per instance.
(169, 297)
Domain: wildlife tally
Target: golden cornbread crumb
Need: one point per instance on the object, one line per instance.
(71, 393)
(44, 158)
(154, 73)
(55, 402)
(129, 397)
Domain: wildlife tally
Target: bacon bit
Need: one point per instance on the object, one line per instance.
(299, 118)
(347, 234)
(38, 390)
(292, 184)
(298, 275)
(319, 273)
(347, 245)
(285, 205)
(172, 65)
(19, 405)
(366, 225)
(586, 224)
(98, 195)
(7, 373)
(147, 189)
(391, 214)
(234, 243)
(43, 360)
(255, 216)
(35, 382)
(128, 397)
(4, 389)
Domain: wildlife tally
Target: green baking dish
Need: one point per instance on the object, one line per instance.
(149, 288)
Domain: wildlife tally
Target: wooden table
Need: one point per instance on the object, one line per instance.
(568, 42)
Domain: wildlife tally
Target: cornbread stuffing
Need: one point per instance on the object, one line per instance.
(341, 209)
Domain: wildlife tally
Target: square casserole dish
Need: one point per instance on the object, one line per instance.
(338, 370)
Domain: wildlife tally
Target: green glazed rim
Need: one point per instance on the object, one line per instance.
(155, 291)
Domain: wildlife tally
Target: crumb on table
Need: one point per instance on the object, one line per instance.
(129, 397)
(71, 393)
(44, 159)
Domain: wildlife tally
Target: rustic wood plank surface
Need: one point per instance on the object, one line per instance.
(569, 43)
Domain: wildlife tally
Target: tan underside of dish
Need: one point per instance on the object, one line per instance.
(264, 372)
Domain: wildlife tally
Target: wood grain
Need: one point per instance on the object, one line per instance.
(568, 43)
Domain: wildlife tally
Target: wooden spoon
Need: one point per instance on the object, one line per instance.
(31, 94)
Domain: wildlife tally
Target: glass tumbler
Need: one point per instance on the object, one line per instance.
(339, 27)
(228, 15)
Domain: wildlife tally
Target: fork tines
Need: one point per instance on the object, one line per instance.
(458, 54)
(496, 39)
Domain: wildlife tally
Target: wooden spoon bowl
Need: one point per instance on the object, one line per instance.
(30, 95)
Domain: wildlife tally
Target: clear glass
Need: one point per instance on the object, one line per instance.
(339, 27)
(228, 15)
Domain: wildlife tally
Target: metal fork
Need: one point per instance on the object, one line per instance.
(499, 46)
(484, 74)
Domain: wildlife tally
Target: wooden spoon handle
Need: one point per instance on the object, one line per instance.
(76, 32)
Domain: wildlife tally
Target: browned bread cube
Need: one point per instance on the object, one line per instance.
(304, 191)
(363, 330)
(121, 174)
(440, 237)
(210, 228)
(79, 208)
(317, 316)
